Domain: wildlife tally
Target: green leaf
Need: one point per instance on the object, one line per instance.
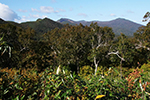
(58, 85)
(17, 86)
(17, 98)
(22, 98)
(110, 94)
(58, 94)
(46, 97)
(2, 38)
(6, 91)
(116, 71)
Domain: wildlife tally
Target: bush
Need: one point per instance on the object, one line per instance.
(28, 84)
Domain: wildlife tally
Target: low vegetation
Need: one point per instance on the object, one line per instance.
(28, 84)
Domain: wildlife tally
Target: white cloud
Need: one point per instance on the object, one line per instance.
(45, 9)
(34, 10)
(82, 14)
(34, 16)
(23, 19)
(7, 14)
(37, 16)
(20, 10)
(113, 15)
(60, 10)
(29, 18)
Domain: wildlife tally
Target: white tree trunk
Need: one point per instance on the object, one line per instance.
(58, 70)
(96, 64)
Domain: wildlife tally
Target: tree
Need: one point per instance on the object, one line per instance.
(99, 42)
(26, 38)
(123, 49)
(142, 43)
(10, 33)
(78, 44)
(142, 35)
(69, 45)
(146, 16)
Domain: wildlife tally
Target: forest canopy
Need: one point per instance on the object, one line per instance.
(74, 47)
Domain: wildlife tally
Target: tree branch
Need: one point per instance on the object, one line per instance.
(117, 53)
(140, 45)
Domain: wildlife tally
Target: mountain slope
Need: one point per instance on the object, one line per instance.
(42, 26)
(66, 21)
(2, 21)
(122, 26)
(119, 25)
(9, 22)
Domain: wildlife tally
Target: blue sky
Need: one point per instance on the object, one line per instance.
(102, 10)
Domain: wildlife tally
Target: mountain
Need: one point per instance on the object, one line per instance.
(2, 21)
(8, 22)
(66, 21)
(118, 25)
(42, 26)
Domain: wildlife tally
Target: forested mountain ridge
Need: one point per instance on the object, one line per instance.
(9, 22)
(42, 26)
(118, 25)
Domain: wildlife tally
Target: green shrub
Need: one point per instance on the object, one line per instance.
(28, 84)
(146, 68)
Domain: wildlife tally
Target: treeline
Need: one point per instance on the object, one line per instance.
(73, 47)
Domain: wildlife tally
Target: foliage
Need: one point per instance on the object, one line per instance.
(146, 68)
(146, 16)
(86, 71)
(142, 36)
(17, 83)
(4, 47)
(72, 46)
(138, 83)
(142, 43)
(69, 45)
(28, 84)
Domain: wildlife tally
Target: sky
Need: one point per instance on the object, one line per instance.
(88, 10)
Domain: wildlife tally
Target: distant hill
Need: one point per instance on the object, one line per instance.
(67, 21)
(42, 26)
(118, 25)
(9, 22)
